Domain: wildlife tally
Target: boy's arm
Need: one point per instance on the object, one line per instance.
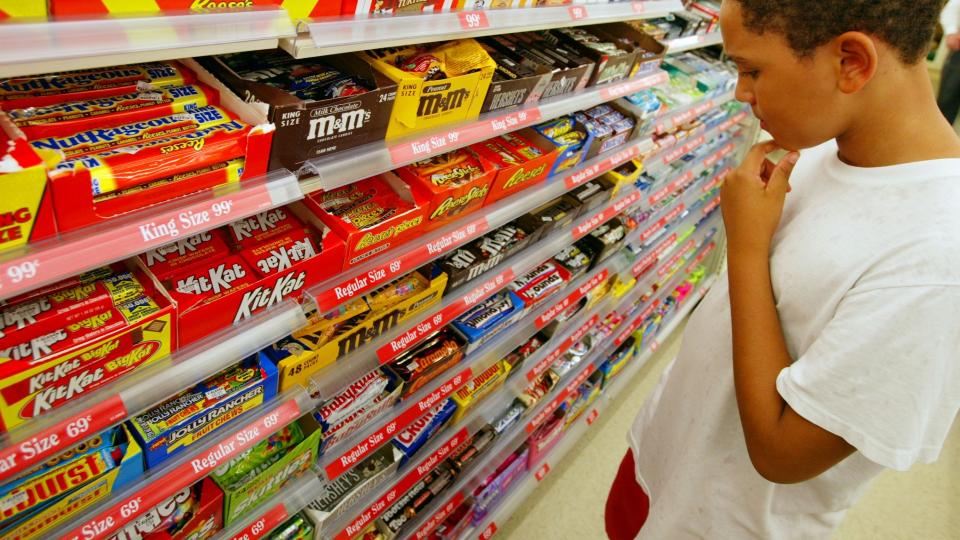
(783, 446)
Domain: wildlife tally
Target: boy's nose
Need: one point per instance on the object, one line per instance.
(744, 92)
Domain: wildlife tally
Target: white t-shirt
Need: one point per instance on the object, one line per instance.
(866, 273)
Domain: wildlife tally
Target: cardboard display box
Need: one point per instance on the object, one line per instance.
(311, 129)
(513, 178)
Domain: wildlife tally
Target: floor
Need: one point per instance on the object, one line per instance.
(923, 503)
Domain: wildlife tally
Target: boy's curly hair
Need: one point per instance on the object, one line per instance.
(906, 25)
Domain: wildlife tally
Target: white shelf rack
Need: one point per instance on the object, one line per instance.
(60, 45)
(342, 34)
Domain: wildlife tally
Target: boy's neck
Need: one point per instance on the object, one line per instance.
(899, 122)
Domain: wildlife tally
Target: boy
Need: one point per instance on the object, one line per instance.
(831, 350)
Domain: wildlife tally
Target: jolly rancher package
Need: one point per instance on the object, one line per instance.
(76, 336)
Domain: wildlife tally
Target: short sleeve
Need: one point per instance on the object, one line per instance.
(884, 374)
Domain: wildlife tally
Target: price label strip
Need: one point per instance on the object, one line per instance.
(488, 532)
(403, 264)
(66, 433)
(439, 516)
(184, 475)
(77, 252)
(264, 524)
(473, 20)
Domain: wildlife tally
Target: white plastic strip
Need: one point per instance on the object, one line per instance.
(333, 35)
(30, 48)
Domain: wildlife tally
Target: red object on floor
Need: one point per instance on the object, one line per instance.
(627, 504)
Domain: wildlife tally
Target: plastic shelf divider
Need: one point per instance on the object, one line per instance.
(61, 45)
(334, 35)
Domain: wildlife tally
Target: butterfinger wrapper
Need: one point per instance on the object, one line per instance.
(556, 128)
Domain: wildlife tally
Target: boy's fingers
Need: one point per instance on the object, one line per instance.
(780, 179)
(758, 154)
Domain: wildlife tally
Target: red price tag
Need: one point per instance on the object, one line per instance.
(542, 472)
(355, 455)
(20, 456)
(552, 313)
(592, 417)
(488, 533)
(438, 518)
(266, 523)
(131, 506)
(429, 250)
(711, 206)
(473, 20)
(577, 13)
(582, 176)
(127, 237)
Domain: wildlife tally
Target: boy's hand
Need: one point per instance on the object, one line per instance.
(752, 199)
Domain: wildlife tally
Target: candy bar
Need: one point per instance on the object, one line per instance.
(42, 315)
(386, 296)
(40, 90)
(81, 331)
(412, 439)
(555, 280)
(509, 417)
(257, 229)
(362, 416)
(456, 168)
(341, 200)
(111, 111)
(297, 527)
(227, 172)
(164, 260)
(359, 394)
(479, 387)
(489, 317)
(428, 360)
(574, 259)
(479, 442)
(521, 353)
(535, 392)
(134, 165)
(372, 213)
(144, 133)
(533, 276)
(491, 491)
(280, 252)
(556, 128)
(212, 279)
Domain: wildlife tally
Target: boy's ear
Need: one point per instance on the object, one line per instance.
(856, 60)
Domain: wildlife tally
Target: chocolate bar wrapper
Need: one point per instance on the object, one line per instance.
(551, 283)
(453, 168)
(110, 111)
(361, 416)
(212, 279)
(281, 252)
(426, 361)
(592, 194)
(150, 131)
(479, 387)
(164, 260)
(139, 164)
(394, 292)
(40, 316)
(534, 393)
(51, 88)
(517, 356)
(228, 172)
(534, 276)
(487, 319)
(576, 259)
(509, 417)
(82, 331)
(257, 229)
(557, 213)
(358, 395)
(72, 281)
(412, 439)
